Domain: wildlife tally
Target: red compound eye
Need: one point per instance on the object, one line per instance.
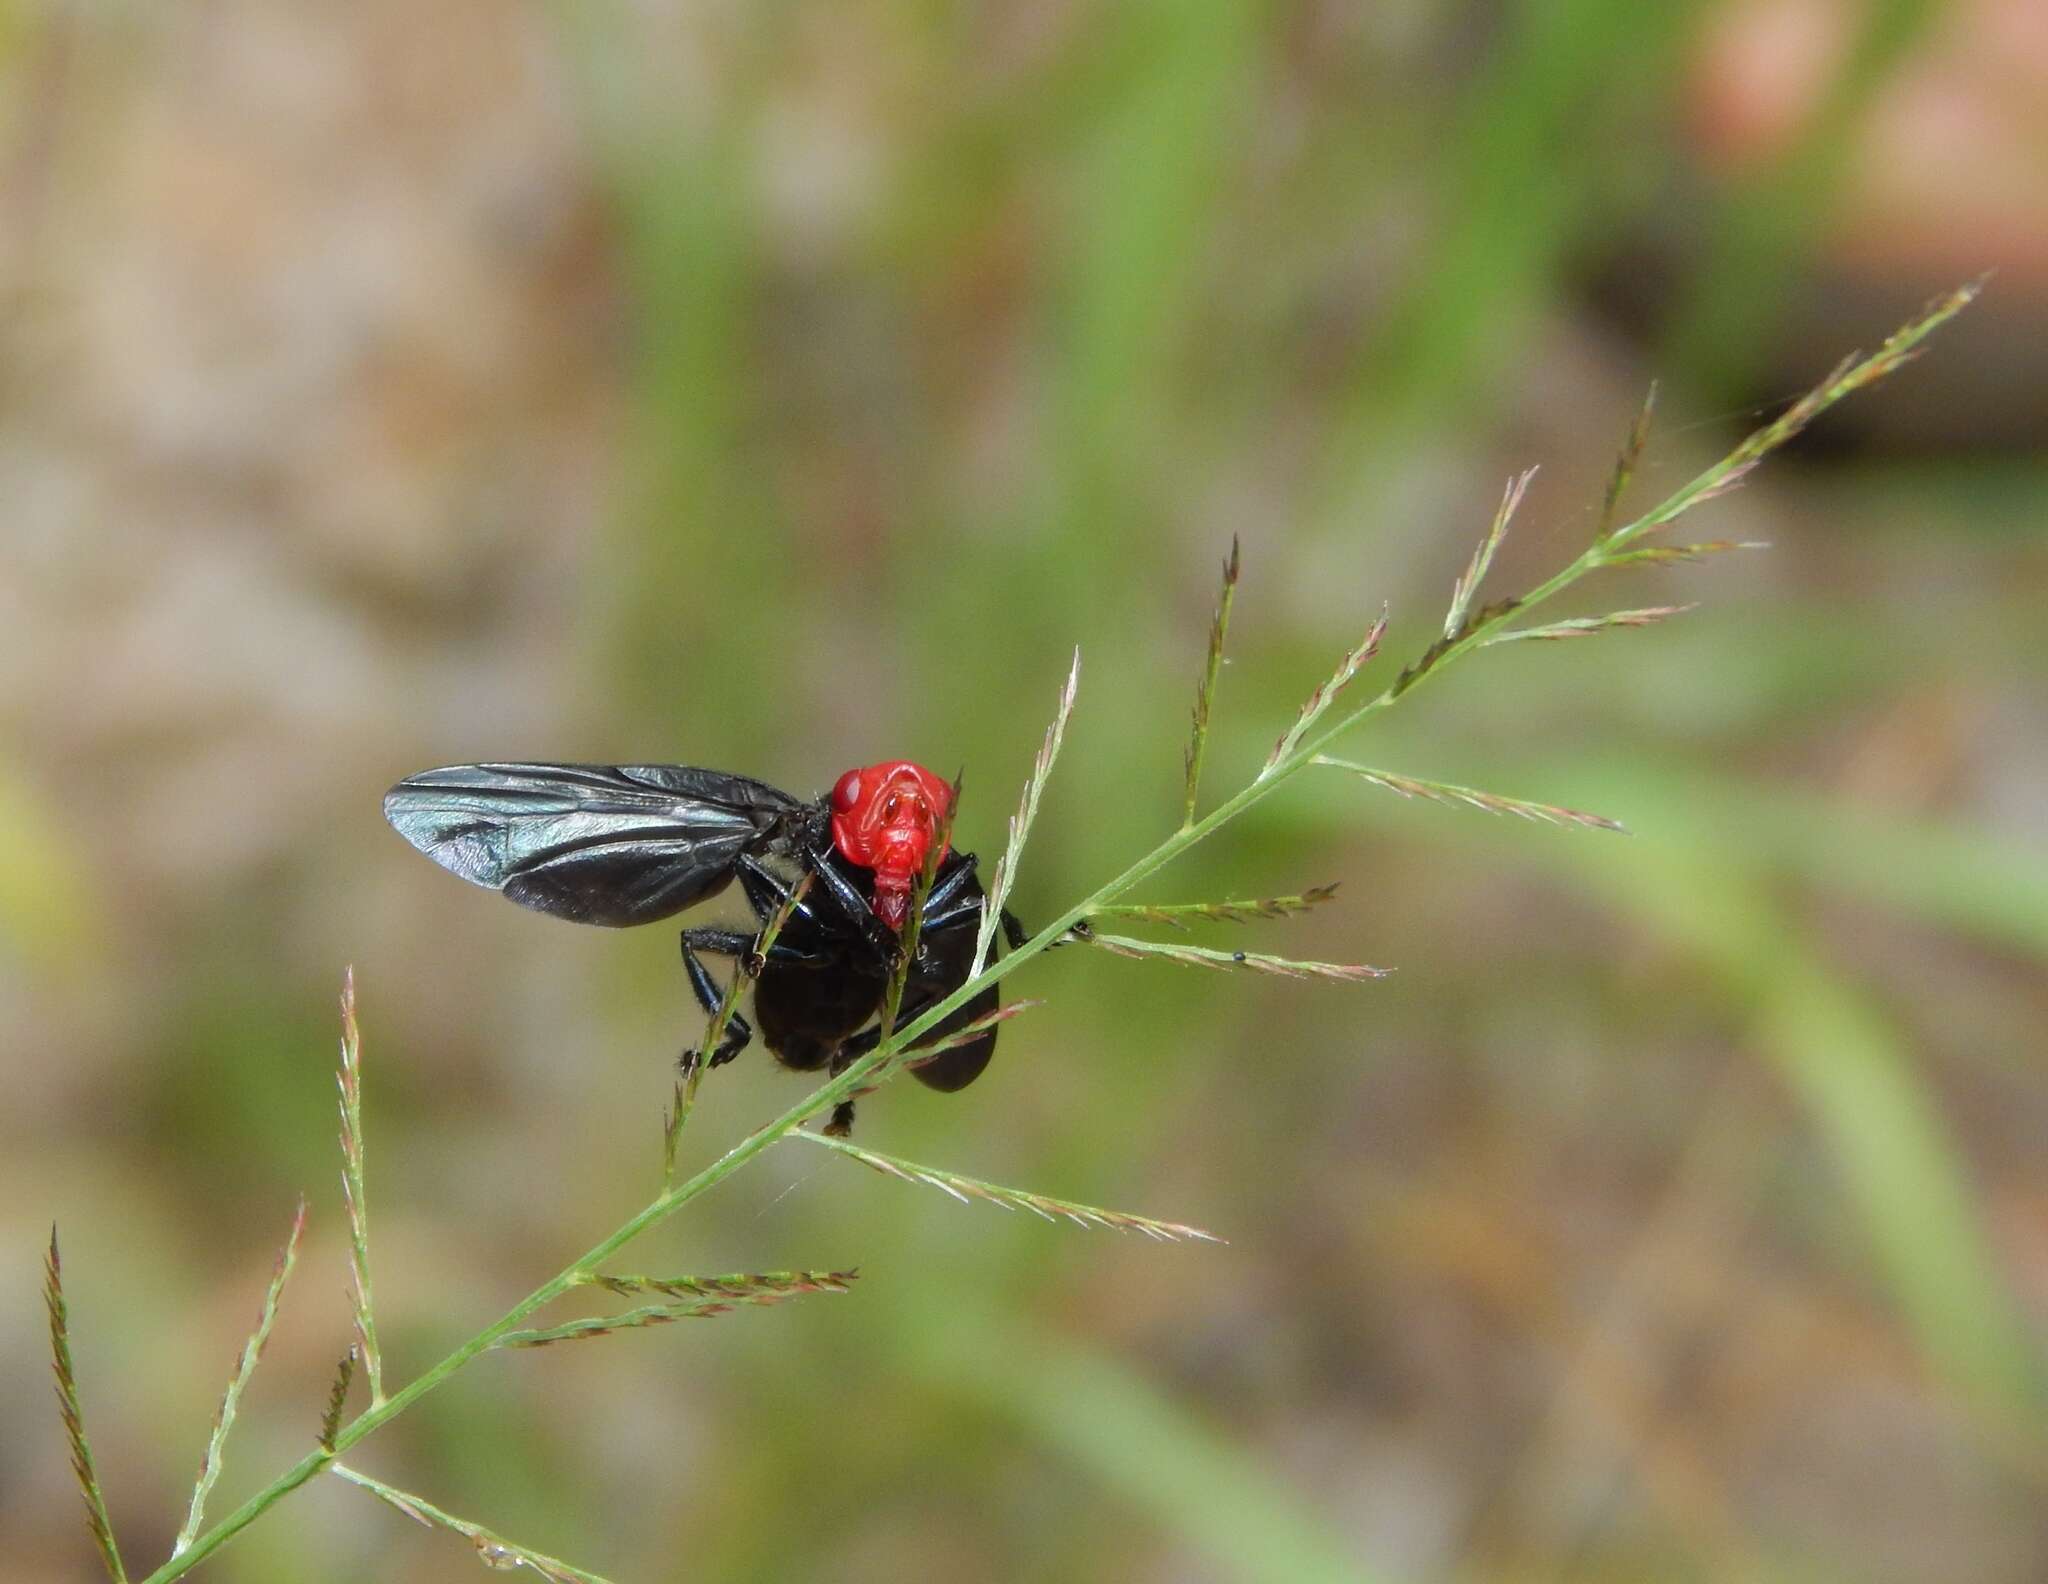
(847, 793)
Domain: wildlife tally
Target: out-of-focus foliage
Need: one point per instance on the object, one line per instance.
(783, 387)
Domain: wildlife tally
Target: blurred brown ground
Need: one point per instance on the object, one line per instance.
(394, 386)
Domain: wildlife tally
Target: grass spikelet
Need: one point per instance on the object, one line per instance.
(1205, 693)
(245, 1366)
(756, 1287)
(605, 1325)
(1244, 962)
(493, 1550)
(1586, 626)
(1727, 483)
(672, 1118)
(353, 1195)
(1482, 558)
(966, 1188)
(1488, 615)
(337, 1399)
(73, 1415)
(715, 1295)
(1241, 910)
(1324, 696)
(1472, 797)
(1663, 555)
(1027, 811)
(1625, 466)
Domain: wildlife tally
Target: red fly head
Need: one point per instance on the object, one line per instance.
(885, 818)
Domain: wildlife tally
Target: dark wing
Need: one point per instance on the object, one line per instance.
(599, 844)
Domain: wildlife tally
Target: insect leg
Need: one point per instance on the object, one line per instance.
(719, 942)
(726, 943)
(956, 876)
(857, 910)
(765, 889)
(948, 904)
(960, 910)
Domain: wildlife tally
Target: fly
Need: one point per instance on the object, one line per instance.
(619, 845)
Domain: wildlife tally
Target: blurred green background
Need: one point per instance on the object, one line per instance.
(783, 387)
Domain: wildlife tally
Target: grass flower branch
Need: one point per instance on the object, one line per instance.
(733, 1292)
(1205, 693)
(1586, 626)
(337, 1399)
(1482, 558)
(1668, 554)
(1288, 748)
(1625, 465)
(764, 1286)
(353, 1194)
(696, 1297)
(72, 1414)
(1472, 797)
(1027, 807)
(493, 1550)
(1241, 910)
(245, 1366)
(968, 1188)
(1248, 962)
